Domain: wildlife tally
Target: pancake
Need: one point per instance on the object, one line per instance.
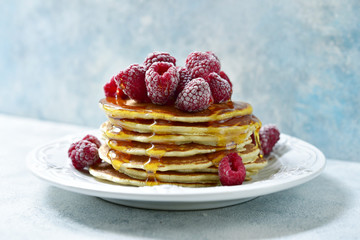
(199, 168)
(199, 176)
(169, 150)
(256, 165)
(105, 171)
(129, 109)
(138, 177)
(114, 132)
(174, 176)
(147, 144)
(119, 160)
(200, 161)
(228, 126)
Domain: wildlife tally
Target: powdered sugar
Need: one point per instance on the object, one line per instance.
(195, 97)
(201, 64)
(158, 57)
(83, 154)
(161, 79)
(220, 88)
(132, 82)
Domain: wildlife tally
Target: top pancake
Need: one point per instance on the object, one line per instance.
(129, 109)
(158, 126)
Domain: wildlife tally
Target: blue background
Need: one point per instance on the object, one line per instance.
(296, 62)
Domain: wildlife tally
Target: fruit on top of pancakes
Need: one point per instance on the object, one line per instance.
(184, 78)
(201, 64)
(269, 135)
(84, 153)
(224, 76)
(111, 89)
(232, 170)
(220, 88)
(132, 82)
(159, 81)
(158, 57)
(195, 97)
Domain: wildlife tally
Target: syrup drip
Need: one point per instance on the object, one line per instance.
(217, 157)
(154, 123)
(257, 141)
(151, 167)
(117, 159)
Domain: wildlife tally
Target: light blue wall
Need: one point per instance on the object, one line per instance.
(296, 62)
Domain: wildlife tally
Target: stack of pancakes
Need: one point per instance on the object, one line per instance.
(147, 144)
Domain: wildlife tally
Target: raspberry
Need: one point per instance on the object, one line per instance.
(213, 54)
(224, 76)
(132, 82)
(83, 154)
(92, 139)
(204, 69)
(220, 88)
(232, 170)
(194, 58)
(158, 57)
(269, 135)
(161, 80)
(111, 89)
(202, 63)
(184, 78)
(196, 96)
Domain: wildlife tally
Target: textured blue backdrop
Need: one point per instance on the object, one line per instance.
(296, 62)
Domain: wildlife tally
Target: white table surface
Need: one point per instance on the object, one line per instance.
(327, 207)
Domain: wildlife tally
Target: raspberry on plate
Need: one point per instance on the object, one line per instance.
(232, 170)
(269, 136)
(93, 139)
(132, 82)
(195, 97)
(161, 80)
(158, 57)
(111, 89)
(201, 64)
(220, 88)
(83, 154)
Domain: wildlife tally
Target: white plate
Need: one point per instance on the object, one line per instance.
(292, 162)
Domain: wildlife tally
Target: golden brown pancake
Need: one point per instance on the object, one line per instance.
(200, 169)
(117, 133)
(169, 150)
(238, 124)
(129, 109)
(105, 171)
(147, 144)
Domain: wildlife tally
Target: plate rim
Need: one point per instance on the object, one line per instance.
(208, 194)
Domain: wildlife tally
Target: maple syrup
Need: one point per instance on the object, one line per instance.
(126, 108)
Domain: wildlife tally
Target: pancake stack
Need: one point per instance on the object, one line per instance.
(148, 144)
